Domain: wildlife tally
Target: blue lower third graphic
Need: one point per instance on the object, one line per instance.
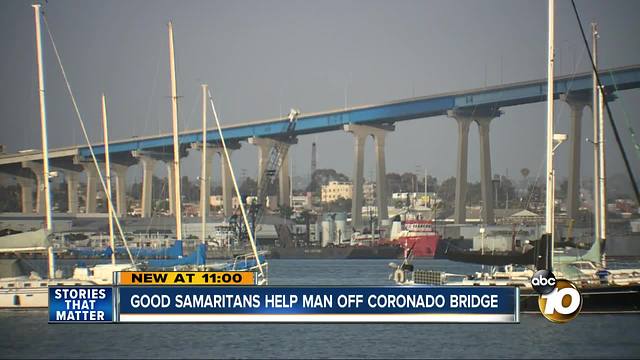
(318, 304)
(80, 304)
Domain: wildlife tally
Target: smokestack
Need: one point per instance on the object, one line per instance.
(313, 158)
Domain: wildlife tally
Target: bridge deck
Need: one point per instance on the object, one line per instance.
(407, 109)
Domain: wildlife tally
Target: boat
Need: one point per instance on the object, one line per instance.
(173, 251)
(360, 245)
(510, 249)
(419, 237)
(491, 258)
(20, 285)
(32, 291)
(380, 251)
(603, 290)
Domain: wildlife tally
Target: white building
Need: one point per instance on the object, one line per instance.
(335, 190)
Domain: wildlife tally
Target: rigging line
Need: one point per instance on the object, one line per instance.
(235, 184)
(606, 104)
(86, 136)
(626, 118)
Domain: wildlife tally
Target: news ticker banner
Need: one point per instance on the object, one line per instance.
(233, 297)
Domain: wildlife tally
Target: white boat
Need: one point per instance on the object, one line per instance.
(29, 291)
(32, 291)
(224, 236)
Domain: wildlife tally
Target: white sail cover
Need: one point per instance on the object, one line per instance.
(27, 241)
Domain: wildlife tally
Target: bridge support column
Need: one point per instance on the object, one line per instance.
(284, 183)
(381, 178)
(26, 194)
(148, 160)
(120, 174)
(460, 214)
(37, 169)
(264, 146)
(360, 133)
(72, 178)
(227, 184)
(205, 193)
(576, 102)
(171, 187)
(464, 119)
(148, 166)
(486, 184)
(357, 195)
(92, 190)
(264, 150)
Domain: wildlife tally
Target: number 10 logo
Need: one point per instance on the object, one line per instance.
(562, 304)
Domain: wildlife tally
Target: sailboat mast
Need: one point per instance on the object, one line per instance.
(107, 162)
(203, 166)
(45, 146)
(425, 187)
(176, 145)
(596, 138)
(549, 221)
(603, 174)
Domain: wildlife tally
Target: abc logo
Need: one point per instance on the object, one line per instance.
(559, 300)
(543, 282)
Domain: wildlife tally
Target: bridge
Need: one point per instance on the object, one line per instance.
(476, 105)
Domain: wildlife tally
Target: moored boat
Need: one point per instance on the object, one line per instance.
(419, 237)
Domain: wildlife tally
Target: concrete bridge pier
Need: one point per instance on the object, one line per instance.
(170, 187)
(72, 178)
(37, 169)
(264, 150)
(577, 102)
(92, 189)
(148, 166)
(26, 194)
(119, 172)
(486, 185)
(148, 160)
(360, 133)
(205, 193)
(227, 185)
(464, 118)
(460, 215)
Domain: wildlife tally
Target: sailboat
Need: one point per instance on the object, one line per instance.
(197, 259)
(601, 293)
(103, 273)
(33, 291)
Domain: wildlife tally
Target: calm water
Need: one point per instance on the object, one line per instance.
(27, 334)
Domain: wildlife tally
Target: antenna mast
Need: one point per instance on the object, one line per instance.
(108, 178)
(549, 221)
(176, 145)
(45, 146)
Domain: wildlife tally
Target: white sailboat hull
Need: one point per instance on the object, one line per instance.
(25, 293)
(24, 298)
